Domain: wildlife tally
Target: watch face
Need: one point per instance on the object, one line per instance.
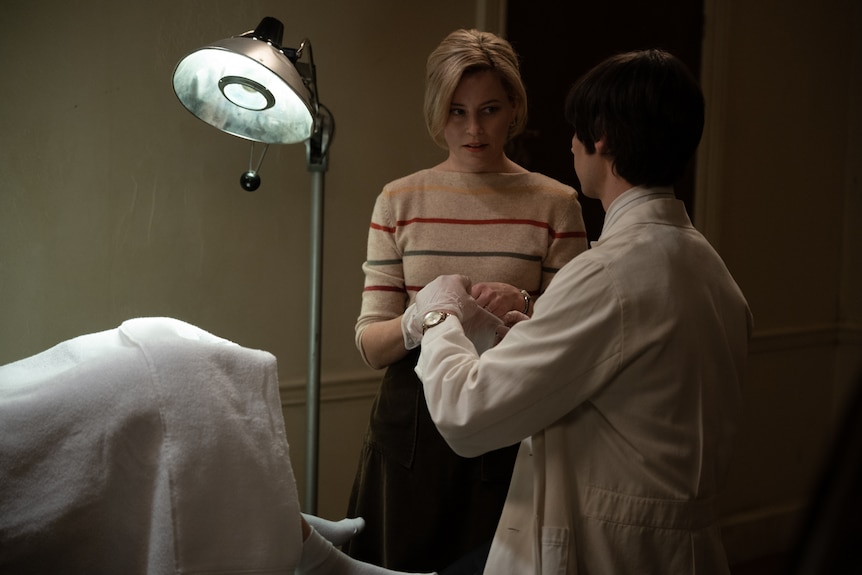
(433, 318)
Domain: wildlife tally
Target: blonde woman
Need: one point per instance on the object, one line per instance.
(476, 213)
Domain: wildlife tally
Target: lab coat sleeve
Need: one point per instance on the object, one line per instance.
(543, 369)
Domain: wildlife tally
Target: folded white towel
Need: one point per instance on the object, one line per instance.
(155, 447)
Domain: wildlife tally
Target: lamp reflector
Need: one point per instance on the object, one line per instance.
(247, 88)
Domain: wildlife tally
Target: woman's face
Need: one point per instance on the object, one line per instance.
(480, 116)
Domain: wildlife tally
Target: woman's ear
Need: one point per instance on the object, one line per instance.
(514, 114)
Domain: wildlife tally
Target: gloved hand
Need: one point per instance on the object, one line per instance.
(480, 326)
(449, 293)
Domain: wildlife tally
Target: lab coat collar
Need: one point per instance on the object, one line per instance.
(615, 218)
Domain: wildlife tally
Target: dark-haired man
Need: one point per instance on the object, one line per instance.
(625, 386)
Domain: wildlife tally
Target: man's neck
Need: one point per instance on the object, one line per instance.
(614, 187)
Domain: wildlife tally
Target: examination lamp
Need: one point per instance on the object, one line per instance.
(253, 88)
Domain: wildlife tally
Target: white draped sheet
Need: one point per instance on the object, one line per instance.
(155, 447)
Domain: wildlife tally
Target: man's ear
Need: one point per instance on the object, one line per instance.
(602, 146)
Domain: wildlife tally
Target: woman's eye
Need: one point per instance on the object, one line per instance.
(490, 110)
(456, 112)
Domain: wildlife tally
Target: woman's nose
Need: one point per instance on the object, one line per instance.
(474, 127)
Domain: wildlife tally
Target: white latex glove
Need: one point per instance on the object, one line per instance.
(480, 326)
(447, 293)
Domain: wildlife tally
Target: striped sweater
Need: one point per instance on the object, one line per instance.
(513, 228)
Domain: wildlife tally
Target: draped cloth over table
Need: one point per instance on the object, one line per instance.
(154, 447)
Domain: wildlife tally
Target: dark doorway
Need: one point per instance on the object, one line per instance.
(559, 40)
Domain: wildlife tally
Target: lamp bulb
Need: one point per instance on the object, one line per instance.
(250, 181)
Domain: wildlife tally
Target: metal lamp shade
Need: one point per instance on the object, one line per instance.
(247, 88)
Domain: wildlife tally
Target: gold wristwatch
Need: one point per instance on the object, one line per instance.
(433, 318)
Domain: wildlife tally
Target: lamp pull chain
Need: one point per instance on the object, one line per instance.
(251, 157)
(250, 180)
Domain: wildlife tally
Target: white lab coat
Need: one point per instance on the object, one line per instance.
(627, 382)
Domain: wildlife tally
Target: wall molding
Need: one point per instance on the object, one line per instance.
(491, 16)
(708, 189)
(354, 386)
(800, 337)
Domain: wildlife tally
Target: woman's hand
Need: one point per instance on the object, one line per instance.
(509, 319)
(498, 297)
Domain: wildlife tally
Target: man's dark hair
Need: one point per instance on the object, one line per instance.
(648, 107)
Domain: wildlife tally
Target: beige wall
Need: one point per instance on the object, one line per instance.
(115, 202)
(780, 195)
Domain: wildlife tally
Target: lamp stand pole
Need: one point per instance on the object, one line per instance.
(313, 390)
(213, 85)
(317, 154)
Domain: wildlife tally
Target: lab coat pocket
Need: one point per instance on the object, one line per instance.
(555, 551)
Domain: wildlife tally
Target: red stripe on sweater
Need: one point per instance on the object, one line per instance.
(552, 233)
(383, 288)
(382, 228)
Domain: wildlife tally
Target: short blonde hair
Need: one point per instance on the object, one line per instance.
(467, 51)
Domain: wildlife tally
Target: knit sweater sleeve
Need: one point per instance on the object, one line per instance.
(384, 295)
(567, 238)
